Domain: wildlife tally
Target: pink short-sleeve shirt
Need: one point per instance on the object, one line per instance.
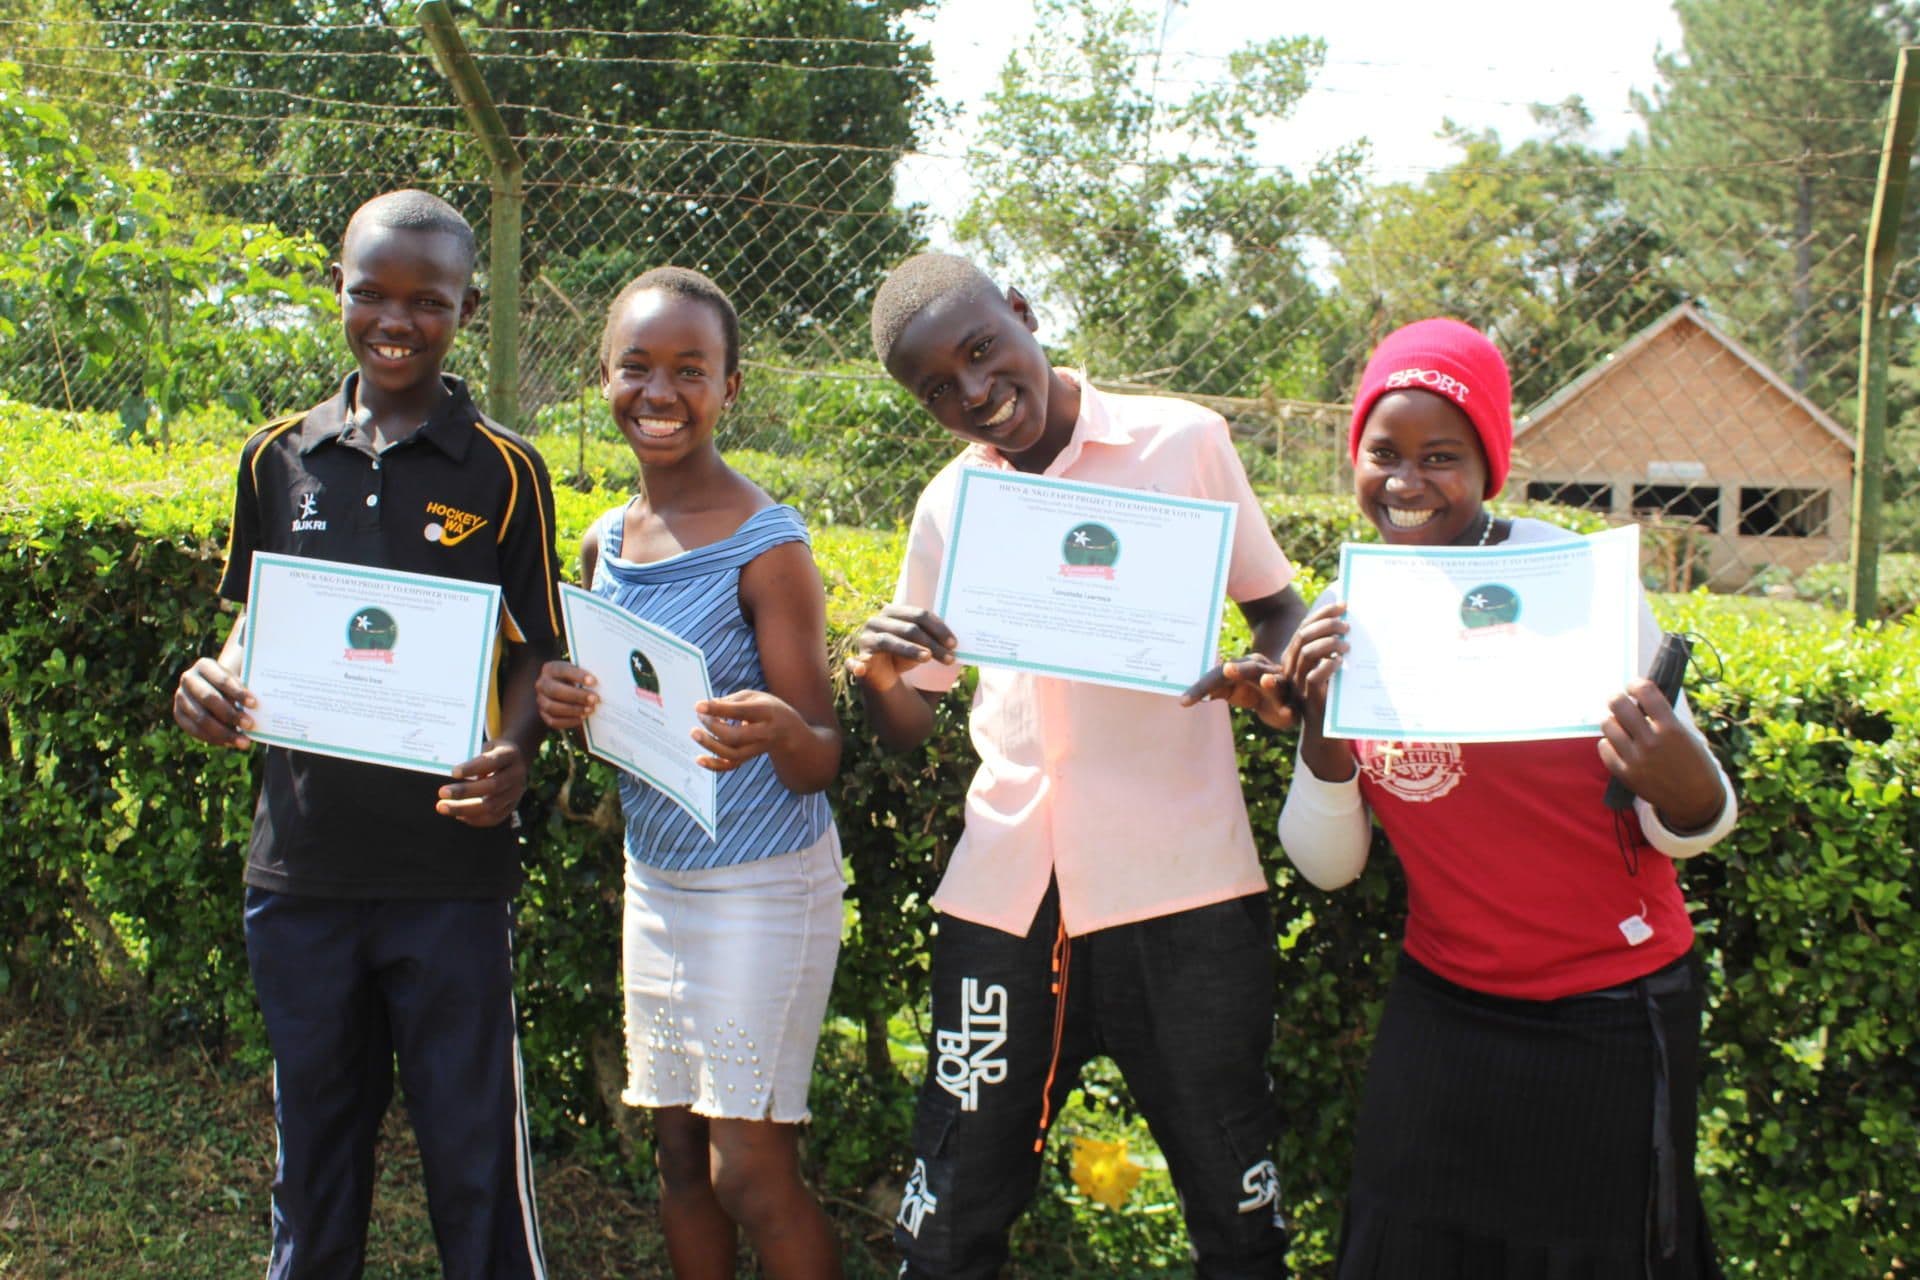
(1130, 800)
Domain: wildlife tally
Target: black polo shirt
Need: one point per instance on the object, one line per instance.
(462, 497)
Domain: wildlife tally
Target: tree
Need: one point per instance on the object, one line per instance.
(58, 47)
(760, 148)
(115, 296)
(1531, 243)
(1172, 252)
(1759, 162)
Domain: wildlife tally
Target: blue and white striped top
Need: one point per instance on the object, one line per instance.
(696, 595)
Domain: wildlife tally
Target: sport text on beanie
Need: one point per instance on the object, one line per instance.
(1449, 359)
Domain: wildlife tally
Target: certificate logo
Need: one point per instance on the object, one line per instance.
(1489, 609)
(646, 681)
(1089, 551)
(1416, 771)
(371, 635)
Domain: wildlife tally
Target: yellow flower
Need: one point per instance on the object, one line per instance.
(1102, 1171)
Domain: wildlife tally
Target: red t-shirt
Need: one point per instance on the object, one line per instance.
(1516, 885)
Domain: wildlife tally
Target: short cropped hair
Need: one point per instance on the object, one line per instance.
(410, 210)
(915, 285)
(686, 283)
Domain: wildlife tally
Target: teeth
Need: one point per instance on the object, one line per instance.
(1006, 411)
(1403, 519)
(391, 353)
(659, 428)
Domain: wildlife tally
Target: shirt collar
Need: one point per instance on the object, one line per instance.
(1095, 425)
(450, 429)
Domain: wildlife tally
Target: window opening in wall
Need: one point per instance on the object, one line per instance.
(1587, 495)
(1782, 513)
(1697, 504)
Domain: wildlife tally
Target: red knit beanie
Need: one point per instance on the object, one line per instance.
(1450, 359)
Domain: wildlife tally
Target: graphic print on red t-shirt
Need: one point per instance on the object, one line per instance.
(1416, 771)
(1516, 885)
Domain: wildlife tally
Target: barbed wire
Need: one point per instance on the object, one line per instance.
(1607, 164)
(409, 30)
(902, 45)
(1462, 68)
(276, 122)
(161, 52)
(484, 57)
(275, 92)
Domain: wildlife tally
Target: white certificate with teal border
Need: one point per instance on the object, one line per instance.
(1118, 587)
(649, 682)
(1486, 644)
(369, 664)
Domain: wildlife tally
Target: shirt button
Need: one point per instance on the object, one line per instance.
(376, 464)
(373, 499)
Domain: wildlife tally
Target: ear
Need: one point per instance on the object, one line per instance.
(733, 390)
(469, 303)
(1023, 309)
(336, 277)
(606, 381)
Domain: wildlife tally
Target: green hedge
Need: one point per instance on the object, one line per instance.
(1898, 582)
(127, 843)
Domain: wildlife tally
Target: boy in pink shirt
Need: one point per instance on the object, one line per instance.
(1105, 896)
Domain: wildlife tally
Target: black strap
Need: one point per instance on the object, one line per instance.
(1663, 1206)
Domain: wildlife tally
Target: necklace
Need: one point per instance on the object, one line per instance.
(1486, 530)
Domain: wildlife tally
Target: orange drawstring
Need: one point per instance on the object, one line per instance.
(1062, 956)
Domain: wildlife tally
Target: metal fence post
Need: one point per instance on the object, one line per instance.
(1883, 236)
(505, 170)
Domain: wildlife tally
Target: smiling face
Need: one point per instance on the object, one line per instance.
(972, 360)
(1420, 470)
(403, 295)
(665, 376)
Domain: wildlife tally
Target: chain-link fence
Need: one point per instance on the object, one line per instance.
(1679, 359)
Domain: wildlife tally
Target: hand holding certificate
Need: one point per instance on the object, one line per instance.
(648, 682)
(1465, 644)
(1113, 586)
(368, 664)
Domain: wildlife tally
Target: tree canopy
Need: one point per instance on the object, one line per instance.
(1146, 220)
(1531, 242)
(773, 126)
(1762, 142)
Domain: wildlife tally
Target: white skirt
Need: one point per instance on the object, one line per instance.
(727, 973)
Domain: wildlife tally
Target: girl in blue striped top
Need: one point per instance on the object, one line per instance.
(728, 943)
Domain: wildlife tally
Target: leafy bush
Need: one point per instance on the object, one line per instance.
(161, 311)
(847, 448)
(1899, 583)
(883, 446)
(128, 842)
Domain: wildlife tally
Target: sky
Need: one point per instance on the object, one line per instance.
(1395, 69)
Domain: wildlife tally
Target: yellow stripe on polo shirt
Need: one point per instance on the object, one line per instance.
(266, 435)
(509, 450)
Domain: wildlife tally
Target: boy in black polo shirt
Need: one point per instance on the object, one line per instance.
(378, 908)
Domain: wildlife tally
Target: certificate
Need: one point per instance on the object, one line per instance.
(1494, 644)
(1118, 587)
(369, 664)
(649, 680)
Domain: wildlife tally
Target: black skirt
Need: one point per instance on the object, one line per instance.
(1504, 1139)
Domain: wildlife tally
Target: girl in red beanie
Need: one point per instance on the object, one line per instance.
(1529, 1105)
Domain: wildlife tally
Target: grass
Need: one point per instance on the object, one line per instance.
(123, 1158)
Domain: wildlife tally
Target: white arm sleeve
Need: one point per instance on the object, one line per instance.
(1687, 846)
(1324, 828)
